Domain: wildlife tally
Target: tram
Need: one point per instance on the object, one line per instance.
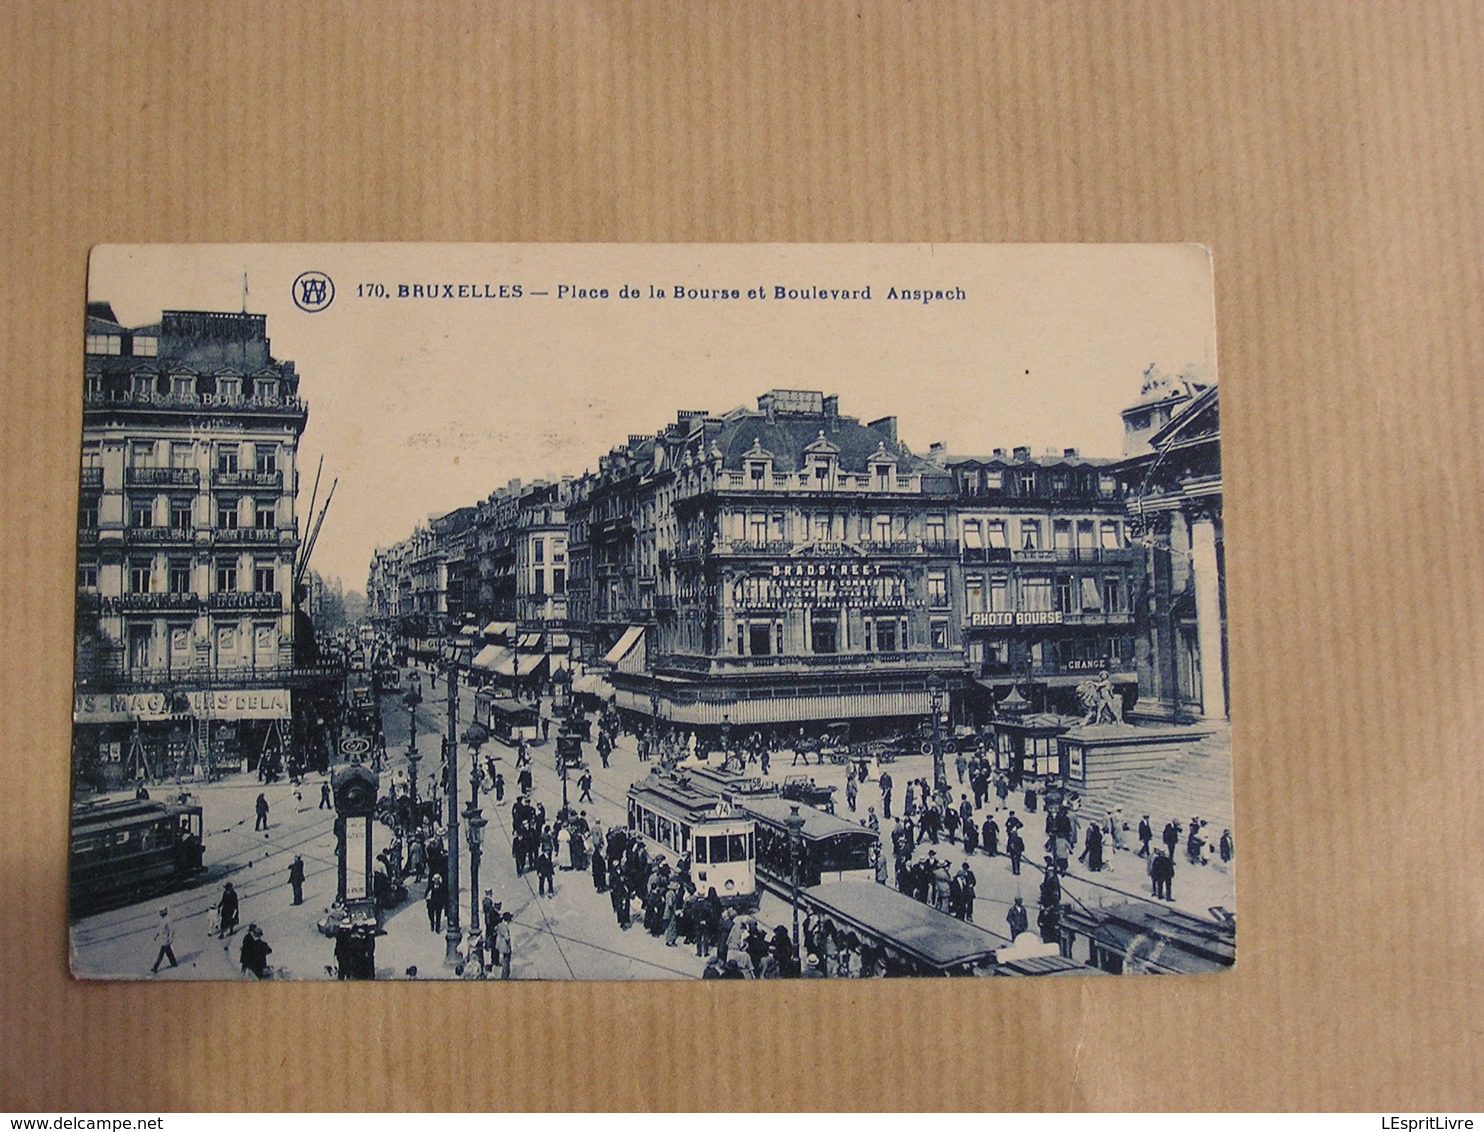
(507, 720)
(912, 938)
(672, 817)
(830, 848)
(126, 850)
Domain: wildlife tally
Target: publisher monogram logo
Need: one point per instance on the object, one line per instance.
(313, 291)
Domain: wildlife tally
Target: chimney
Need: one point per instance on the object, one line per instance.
(832, 406)
(1069, 453)
(888, 426)
(938, 453)
(999, 453)
(1023, 453)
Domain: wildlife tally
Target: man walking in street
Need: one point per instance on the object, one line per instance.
(1146, 835)
(262, 808)
(296, 879)
(226, 912)
(434, 901)
(585, 786)
(165, 937)
(502, 945)
(325, 803)
(1162, 873)
(885, 784)
(1017, 918)
(1171, 837)
(545, 871)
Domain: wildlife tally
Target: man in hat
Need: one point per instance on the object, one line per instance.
(165, 937)
(1162, 873)
(226, 910)
(1146, 835)
(502, 944)
(296, 879)
(1017, 918)
(491, 909)
(1171, 837)
(255, 952)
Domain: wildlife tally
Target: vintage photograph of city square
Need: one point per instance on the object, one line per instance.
(650, 612)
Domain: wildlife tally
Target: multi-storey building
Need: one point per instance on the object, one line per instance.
(1172, 472)
(1049, 575)
(580, 567)
(541, 557)
(805, 568)
(187, 542)
(628, 521)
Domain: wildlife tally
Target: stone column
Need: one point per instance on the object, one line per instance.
(1208, 615)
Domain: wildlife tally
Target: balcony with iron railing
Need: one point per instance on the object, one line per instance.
(136, 536)
(247, 479)
(112, 672)
(891, 546)
(151, 603)
(255, 536)
(92, 477)
(259, 601)
(758, 546)
(806, 481)
(912, 661)
(1062, 555)
(193, 402)
(161, 477)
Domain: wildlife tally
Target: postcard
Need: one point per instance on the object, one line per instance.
(650, 612)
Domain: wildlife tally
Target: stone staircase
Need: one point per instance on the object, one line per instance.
(1197, 781)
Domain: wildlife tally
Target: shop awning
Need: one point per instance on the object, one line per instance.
(626, 643)
(499, 629)
(560, 642)
(487, 656)
(497, 659)
(468, 632)
(530, 642)
(590, 684)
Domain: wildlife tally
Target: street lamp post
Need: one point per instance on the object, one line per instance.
(452, 935)
(562, 766)
(654, 715)
(795, 823)
(412, 699)
(474, 823)
(935, 704)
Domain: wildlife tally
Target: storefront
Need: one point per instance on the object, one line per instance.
(121, 737)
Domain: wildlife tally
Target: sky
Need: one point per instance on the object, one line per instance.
(423, 404)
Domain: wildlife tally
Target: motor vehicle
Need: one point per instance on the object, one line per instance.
(802, 788)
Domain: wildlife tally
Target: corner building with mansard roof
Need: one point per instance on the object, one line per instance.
(780, 566)
(187, 540)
